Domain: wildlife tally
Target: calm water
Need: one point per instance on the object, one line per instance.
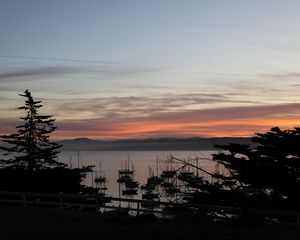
(111, 162)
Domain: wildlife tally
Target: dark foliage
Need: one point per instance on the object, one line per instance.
(31, 163)
(268, 173)
(31, 147)
(42, 180)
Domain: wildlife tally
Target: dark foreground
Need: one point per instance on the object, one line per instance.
(19, 223)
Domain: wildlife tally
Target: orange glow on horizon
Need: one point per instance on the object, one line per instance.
(218, 128)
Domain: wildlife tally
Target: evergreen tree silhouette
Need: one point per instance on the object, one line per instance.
(269, 169)
(31, 164)
(31, 145)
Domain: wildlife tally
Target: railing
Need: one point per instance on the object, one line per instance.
(90, 201)
(95, 202)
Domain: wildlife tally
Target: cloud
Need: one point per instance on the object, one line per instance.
(21, 75)
(231, 121)
(174, 115)
(7, 125)
(87, 72)
(75, 60)
(93, 69)
(283, 75)
(137, 106)
(171, 115)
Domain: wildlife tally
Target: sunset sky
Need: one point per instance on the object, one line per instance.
(111, 69)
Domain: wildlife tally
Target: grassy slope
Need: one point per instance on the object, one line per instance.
(18, 223)
(149, 144)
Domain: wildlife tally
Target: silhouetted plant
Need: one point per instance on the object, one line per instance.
(32, 164)
(31, 146)
(270, 170)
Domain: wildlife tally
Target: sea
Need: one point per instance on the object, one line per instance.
(143, 162)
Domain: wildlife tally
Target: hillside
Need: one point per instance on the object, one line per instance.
(153, 144)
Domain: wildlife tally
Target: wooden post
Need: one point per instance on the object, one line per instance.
(24, 200)
(138, 208)
(60, 200)
(92, 173)
(97, 203)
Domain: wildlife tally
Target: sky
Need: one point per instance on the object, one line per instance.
(118, 69)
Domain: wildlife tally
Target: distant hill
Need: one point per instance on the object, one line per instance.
(150, 144)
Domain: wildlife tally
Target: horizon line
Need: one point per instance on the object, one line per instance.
(147, 138)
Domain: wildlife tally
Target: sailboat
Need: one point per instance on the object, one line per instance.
(100, 181)
(126, 177)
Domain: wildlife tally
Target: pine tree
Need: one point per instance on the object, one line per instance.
(31, 146)
(32, 165)
(271, 166)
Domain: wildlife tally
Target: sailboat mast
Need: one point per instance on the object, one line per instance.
(156, 165)
(70, 162)
(78, 158)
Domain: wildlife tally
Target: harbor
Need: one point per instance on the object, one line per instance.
(145, 164)
(145, 174)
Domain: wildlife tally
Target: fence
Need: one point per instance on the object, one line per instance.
(85, 202)
(95, 202)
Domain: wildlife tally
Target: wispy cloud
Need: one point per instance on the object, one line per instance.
(137, 106)
(21, 75)
(75, 60)
(231, 121)
(228, 121)
(84, 70)
(7, 125)
(283, 75)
